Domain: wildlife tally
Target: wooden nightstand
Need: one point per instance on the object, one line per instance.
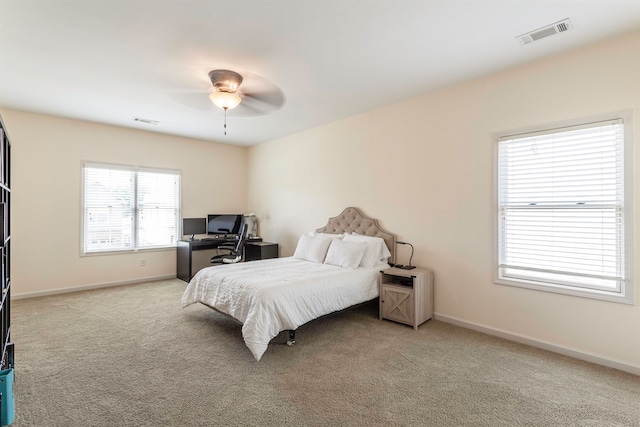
(406, 296)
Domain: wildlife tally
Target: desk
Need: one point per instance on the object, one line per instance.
(185, 250)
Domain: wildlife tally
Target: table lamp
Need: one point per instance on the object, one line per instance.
(406, 267)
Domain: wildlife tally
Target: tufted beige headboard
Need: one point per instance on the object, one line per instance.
(352, 220)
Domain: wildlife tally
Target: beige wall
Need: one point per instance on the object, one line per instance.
(47, 155)
(424, 169)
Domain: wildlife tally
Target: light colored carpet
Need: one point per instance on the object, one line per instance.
(132, 356)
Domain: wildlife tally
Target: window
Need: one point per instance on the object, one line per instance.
(564, 209)
(128, 208)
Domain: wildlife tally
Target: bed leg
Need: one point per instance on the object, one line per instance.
(292, 338)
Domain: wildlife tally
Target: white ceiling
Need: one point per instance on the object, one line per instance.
(112, 60)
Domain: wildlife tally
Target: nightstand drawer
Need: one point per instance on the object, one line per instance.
(397, 303)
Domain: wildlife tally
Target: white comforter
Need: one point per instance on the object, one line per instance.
(275, 295)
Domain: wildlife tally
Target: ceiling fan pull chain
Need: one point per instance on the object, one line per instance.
(225, 121)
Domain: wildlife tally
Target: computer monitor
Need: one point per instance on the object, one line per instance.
(223, 224)
(194, 226)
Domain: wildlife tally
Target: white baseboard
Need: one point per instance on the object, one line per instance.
(523, 339)
(89, 287)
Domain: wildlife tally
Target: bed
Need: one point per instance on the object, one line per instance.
(281, 294)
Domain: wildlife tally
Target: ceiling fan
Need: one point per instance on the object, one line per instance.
(189, 84)
(256, 98)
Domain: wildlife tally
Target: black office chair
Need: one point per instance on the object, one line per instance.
(234, 251)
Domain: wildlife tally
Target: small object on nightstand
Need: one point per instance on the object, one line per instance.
(406, 296)
(406, 267)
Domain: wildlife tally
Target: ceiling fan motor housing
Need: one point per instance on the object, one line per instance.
(225, 80)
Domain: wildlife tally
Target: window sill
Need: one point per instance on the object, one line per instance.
(619, 297)
(128, 251)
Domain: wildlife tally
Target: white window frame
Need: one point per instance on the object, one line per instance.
(625, 293)
(135, 226)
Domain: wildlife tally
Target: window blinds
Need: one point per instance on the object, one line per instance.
(561, 206)
(109, 207)
(126, 208)
(158, 199)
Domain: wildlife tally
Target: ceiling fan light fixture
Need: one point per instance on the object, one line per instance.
(225, 100)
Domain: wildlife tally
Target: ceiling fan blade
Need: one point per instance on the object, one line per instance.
(261, 103)
(247, 110)
(274, 98)
(193, 100)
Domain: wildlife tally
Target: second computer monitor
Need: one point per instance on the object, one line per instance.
(223, 224)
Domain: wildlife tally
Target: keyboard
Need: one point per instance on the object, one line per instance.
(219, 239)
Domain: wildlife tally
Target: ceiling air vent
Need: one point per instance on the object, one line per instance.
(147, 121)
(549, 30)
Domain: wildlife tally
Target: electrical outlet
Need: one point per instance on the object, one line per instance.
(143, 262)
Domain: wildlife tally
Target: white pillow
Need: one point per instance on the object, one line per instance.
(377, 250)
(345, 254)
(312, 248)
(327, 235)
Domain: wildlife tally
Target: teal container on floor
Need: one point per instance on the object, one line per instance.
(8, 404)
